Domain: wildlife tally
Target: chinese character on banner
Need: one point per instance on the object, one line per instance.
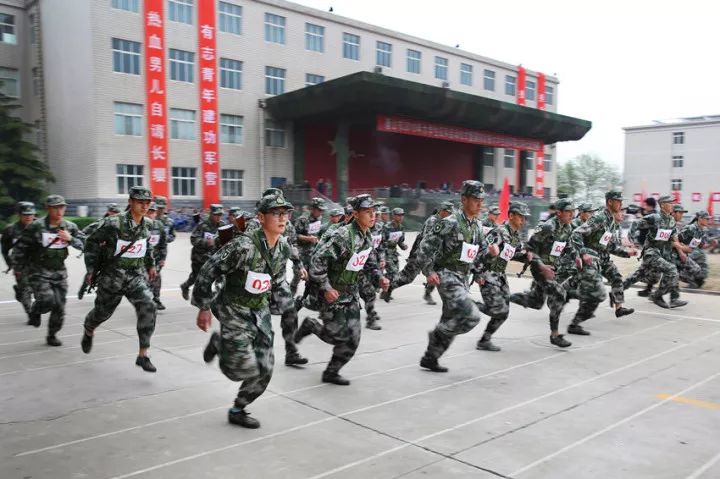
(716, 196)
(540, 173)
(697, 197)
(637, 197)
(207, 66)
(541, 91)
(521, 86)
(676, 197)
(156, 101)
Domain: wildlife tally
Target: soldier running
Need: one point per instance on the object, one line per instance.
(10, 238)
(203, 245)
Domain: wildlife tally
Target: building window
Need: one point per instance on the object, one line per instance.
(441, 68)
(489, 157)
(231, 74)
(678, 161)
(549, 95)
(530, 90)
(529, 160)
(33, 29)
(548, 162)
(383, 55)
(7, 29)
(36, 81)
(129, 5)
(230, 18)
(351, 46)
(489, 80)
(466, 74)
(182, 124)
(274, 81)
(676, 185)
(274, 28)
(231, 128)
(232, 182)
(413, 61)
(314, 38)
(678, 138)
(510, 85)
(126, 56)
(274, 134)
(311, 79)
(183, 181)
(182, 65)
(181, 11)
(509, 158)
(127, 177)
(9, 82)
(128, 119)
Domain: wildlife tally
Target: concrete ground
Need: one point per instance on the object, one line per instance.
(640, 398)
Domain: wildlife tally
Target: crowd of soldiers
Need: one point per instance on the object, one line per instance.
(239, 268)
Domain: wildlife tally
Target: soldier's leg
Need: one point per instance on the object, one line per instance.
(408, 273)
(691, 273)
(592, 292)
(533, 298)
(617, 289)
(556, 302)
(253, 387)
(344, 331)
(23, 293)
(139, 295)
(640, 274)
(156, 285)
(496, 296)
(57, 314)
(109, 295)
(368, 295)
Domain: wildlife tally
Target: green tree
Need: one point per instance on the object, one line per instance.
(586, 178)
(23, 176)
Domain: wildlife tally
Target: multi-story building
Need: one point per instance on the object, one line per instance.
(85, 72)
(678, 157)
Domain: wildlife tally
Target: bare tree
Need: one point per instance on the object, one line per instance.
(586, 178)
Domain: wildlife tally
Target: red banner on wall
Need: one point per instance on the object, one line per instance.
(696, 197)
(411, 126)
(540, 173)
(209, 118)
(637, 197)
(154, 19)
(521, 86)
(541, 91)
(676, 196)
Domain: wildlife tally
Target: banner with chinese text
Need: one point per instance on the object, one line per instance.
(207, 65)
(541, 91)
(521, 86)
(540, 173)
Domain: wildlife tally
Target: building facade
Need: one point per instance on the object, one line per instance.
(85, 89)
(678, 157)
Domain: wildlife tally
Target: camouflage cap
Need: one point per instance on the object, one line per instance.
(152, 207)
(703, 215)
(679, 209)
(494, 210)
(348, 209)
(235, 211)
(55, 200)
(318, 203)
(248, 215)
(384, 210)
(336, 212)
(564, 205)
(114, 208)
(472, 188)
(665, 199)
(26, 208)
(447, 206)
(398, 211)
(519, 208)
(140, 193)
(216, 209)
(362, 201)
(270, 202)
(272, 191)
(161, 201)
(586, 207)
(552, 206)
(614, 195)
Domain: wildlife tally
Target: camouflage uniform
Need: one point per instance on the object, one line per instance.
(158, 240)
(393, 236)
(41, 256)
(10, 237)
(201, 248)
(307, 225)
(336, 264)
(694, 270)
(368, 285)
(169, 233)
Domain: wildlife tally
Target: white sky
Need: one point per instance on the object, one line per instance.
(620, 63)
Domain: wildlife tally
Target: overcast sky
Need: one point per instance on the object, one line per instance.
(620, 63)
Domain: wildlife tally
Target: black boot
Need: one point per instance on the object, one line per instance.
(622, 311)
(294, 359)
(372, 322)
(334, 378)
(53, 341)
(239, 417)
(560, 341)
(429, 299)
(210, 350)
(145, 364)
(660, 302)
(86, 343)
(644, 293)
(432, 364)
(385, 295)
(185, 290)
(158, 305)
(577, 329)
(677, 303)
(487, 345)
(34, 320)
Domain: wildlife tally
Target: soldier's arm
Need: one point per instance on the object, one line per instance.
(301, 227)
(542, 236)
(325, 253)
(431, 245)
(577, 237)
(197, 237)
(6, 244)
(170, 230)
(78, 237)
(372, 266)
(21, 253)
(229, 258)
(161, 247)
(102, 236)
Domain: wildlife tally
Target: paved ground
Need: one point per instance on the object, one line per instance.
(640, 398)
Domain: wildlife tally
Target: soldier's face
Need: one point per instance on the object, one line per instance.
(274, 221)
(316, 212)
(385, 217)
(565, 217)
(677, 215)
(492, 217)
(26, 219)
(703, 222)
(666, 208)
(335, 219)
(398, 219)
(56, 212)
(471, 206)
(585, 215)
(152, 214)
(139, 207)
(516, 221)
(444, 213)
(614, 205)
(365, 218)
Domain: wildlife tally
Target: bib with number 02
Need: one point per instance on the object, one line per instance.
(605, 239)
(695, 242)
(154, 240)
(357, 262)
(469, 252)
(508, 252)
(257, 283)
(557, 248)
(137, 250)
(395, 236)
(314, 227)
(376, 240)
(663, 235)
(48, 238)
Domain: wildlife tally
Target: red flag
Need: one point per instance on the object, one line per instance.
(504, 202)
(521, 86)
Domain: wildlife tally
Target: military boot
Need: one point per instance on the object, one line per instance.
(34, 320)
(432, 364)
(487, 345)
(560, 341)
(519, 298)
(158, 305)
(577, 329)
(239, 417)
(294, 359)
(53, 341)
(372, 322)
(210, 350)
(429, 299)
(677, 303)
(185, 291)
(86, 343)
(622, 311)
(145, 364)
(334, 377)
(386, 295)
(658, 300)
(644, 293)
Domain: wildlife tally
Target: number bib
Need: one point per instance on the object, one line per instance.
(395, 236)
(663, 235)
(257, 283)
(469, 252)
(557, 248)
(314, 227)
(695, 242)
(137, 250)
(508, 252)
(486, 230)
(48, 238)
(357, 262)
(209, 236)
(605, 239)
(154, 240)
(376, 240)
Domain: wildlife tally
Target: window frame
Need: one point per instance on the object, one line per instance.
(128, 118)
(548, 163)
(530, 90)
(349, 46)
(489, 80)
(382, 56)
(466, 74)
(316, 76)
(678, 161)
(181, 65)
(8, 29)
(676, 184)
(409, 60)
(511, 82)
(272, 80)
(122, 57)
(227, 18)
(180, 9)
(5, 80)
(228, 183)
(678, 138)
(439, 66)
(117, 5)
(232, 73)
(237, 129)
(314, 39)
(507, 154)
(122, 177)
(549, 94)
(275, 32)
(275, 130)
(181, 126)
(175, 176)
(489, 154)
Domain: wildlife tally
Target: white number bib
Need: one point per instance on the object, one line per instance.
(257, 283)
(154, 240)
(557, 248)
(314, 227)
(486, 230)
(137, 250)
(695, 242)
(605, 239)
(469, 252)
(508, 252)
(357, 262)
(48, 238)
(663, 235)
(209, 236)
(376, 240)
(395, 236)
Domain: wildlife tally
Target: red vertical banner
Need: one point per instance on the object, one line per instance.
(521, 86)
(209, 118)
(540, 173)
(541, 91)
(154, 19)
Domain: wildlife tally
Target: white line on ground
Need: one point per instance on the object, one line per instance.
(694, 318)
(702, 469)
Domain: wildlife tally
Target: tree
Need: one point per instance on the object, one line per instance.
(23, 176)
(586, 178)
